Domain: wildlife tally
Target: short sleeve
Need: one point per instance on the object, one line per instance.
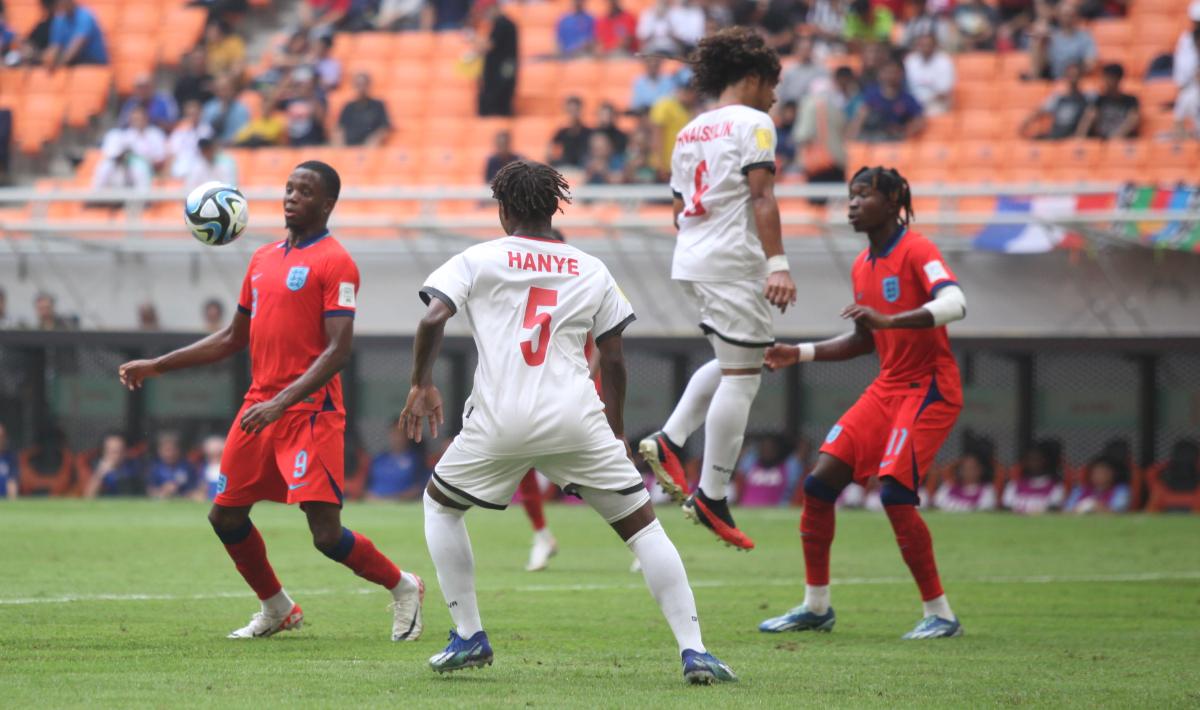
(246, 299)
(450, 283)
(615, 313)
(678, 180)
(931, 270)
(339, 287)
(758, 144)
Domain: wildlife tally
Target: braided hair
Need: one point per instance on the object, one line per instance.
(893, 186)
(728, 56)
(530, 191)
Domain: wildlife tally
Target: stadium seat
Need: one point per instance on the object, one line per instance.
(34, 482)
(1161, 498)
(1111, 35)
(976, 67)
(983, 125)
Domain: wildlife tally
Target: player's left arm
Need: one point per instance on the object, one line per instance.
(339, 343)
(424, 400)
(947, 302)
(758, 165)
(612, 382)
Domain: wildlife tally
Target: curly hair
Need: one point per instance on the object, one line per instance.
(530, 191)
(893, 186)
(728, 56)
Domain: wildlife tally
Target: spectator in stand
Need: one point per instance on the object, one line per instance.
(785, 126)
(827, 22)
(502, 156)
(498, 81)
(193, 83)
(687, 24)
(977, 24)
(656, 33)
(639, 168)
(653, 85)
(874, 56)
(159, 106)
(46, 311)
(213, 314)
(1186, 61)
(969, 487)
(763, 477)
(210, 470)
(269, 128)
(606, 123)
(8, 42)
(1016, 18)
(113, 473)
(616, 32)
(797, 466)
(798, 77)
(1112, 114)
(75, 37)
(1038, 486)
(400, 472)
(867, 22)
(147, 316)
(224, 50)
(603, 165)
(1187, 111)
(570, 144)
(576, 32)
(452, 14)
(327, 67)
(321, 17)
(305, 122)
(1064, 110)
(779, 22)
(400, 15)
(183, 145)
(170, 473)
(293, 52)
(131, 156)
(364, 121)
(930, 74)
(1053, 51)
(10, 476)
(929, 20)
(1105, 489)
(224, 114)
(32, 50)
(210, 164)
(668, 117)
(888, 112)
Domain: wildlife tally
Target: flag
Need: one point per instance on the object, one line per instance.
(1032, 237)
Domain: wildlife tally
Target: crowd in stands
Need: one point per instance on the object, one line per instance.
(46, 315)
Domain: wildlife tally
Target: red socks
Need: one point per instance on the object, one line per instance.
(359, 554)
(916, 546)
(249, 554)
(531, 498)
(816, 532)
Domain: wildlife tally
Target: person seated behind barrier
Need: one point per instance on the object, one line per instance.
(1038, 486)
(75, 37)
(113, 473)
(1105, 489)
(9, 473)
(1179, 480)
(1112, 114)
(763, 473)
(888, 112)
(210, 478)
(1065, 110)
(45, 467)
(970, 486)
(400, 472)
(170, 474)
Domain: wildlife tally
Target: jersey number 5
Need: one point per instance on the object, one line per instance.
(538, 298)
(697, 208)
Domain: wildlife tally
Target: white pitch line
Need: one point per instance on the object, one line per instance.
(703, 584)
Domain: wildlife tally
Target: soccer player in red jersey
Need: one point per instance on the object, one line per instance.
(904, 295)
(296, 313)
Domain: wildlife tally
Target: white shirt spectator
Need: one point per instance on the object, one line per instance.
(1187, 110)
(183, 144)
(1183, 70)
(654, 30)
(221, 169)
(930, 79)
(130, 156)
(687, 23)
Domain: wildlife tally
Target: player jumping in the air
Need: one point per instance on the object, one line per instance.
(530, 302)
(904, 295)
(729, 259)
(296, 313)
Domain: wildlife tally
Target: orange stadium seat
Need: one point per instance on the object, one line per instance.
(181, 29)
(1157, 30)
(414, 46)
(983, 124)
(1111, 34)
(976, 67)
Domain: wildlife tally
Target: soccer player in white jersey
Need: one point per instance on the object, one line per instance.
(530, 302)
(729, 259)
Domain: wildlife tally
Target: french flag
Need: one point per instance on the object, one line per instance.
(1034, 237)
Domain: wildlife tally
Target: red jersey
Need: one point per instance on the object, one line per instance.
(288, 293)
(905, 277)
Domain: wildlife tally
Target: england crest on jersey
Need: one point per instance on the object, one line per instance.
(297, 277)
(891, 289)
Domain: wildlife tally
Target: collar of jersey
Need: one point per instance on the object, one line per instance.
(536, 239)
(891, 245)
(303, 243)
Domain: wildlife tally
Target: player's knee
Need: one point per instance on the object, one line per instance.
(737, 357)
(893, 493)
(816, 487)
(232, 526)
(326, 537)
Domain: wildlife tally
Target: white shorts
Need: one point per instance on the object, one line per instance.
(490, 482)
(734, 311)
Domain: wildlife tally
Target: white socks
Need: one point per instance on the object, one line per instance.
(668, 583)
(938, 607)
(543, 536)
(724, 429)
(816, 598)
(277, 606)
(408, 582)
(693, 405)
(450, 549)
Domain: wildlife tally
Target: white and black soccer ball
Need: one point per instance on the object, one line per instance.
(216, 213)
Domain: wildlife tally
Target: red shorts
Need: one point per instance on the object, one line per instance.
(296, 459)
(892, 435)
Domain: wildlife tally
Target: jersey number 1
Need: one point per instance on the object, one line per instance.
(538, 298)
(697, 208)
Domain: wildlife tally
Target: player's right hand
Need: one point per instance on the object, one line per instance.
(134, 372)
(424, 402)
(781, 290)
(781, 356)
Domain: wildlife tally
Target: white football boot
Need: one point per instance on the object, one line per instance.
(406, 608)
(263, 625)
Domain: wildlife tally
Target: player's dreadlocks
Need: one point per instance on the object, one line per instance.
(529, 191)
(729, 56)
(893, 186)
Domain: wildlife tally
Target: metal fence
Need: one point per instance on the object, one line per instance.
(1081, 391)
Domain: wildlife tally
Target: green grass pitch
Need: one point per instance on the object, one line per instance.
(126, 604)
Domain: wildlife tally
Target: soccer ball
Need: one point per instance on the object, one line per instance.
(216, 213)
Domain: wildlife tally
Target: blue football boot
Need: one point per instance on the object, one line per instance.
(463, 653)
(935, 627)
(705, 669)
(799, 619)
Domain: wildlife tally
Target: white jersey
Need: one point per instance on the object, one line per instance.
(718, 237)
(530, 304)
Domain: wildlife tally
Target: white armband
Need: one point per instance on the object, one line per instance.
(777, 263)
(808, 351)
(949, 305)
